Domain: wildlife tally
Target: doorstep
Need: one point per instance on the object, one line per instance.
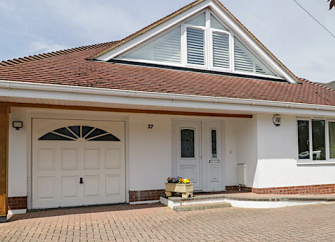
(247, 199)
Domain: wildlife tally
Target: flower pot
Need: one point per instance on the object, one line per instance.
(185, 189)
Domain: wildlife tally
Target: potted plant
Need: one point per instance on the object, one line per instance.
(178, 184)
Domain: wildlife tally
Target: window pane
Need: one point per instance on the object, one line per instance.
(195, 46)
(96, 132)
(198, 21)
(215, 24)
(303, 139)
(214, 144)
(52, 136)
(75, 129)
(221, 50)
(187, 143)
(331, 140)
(65, 131)
(318, 134)
(247, 62)
(164, 49)
(107, 137)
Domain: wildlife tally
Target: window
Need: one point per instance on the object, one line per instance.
(164, 49)
(303, 139)
(214, 144)
(312, 139)
(331, 128)
(195, 46)
(74, 133)
(202, 42)
(245, 61)
(187, 143)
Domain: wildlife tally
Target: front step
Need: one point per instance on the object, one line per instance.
(193, 207)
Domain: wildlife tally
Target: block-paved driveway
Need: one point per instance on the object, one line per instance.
(157, 223)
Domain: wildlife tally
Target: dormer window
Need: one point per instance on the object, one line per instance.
(204, 42)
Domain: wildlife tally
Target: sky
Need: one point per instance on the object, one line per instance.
(39, 26)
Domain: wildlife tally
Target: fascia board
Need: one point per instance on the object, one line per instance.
(136, 98)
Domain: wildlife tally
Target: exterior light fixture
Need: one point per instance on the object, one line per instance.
(276, 120)
(17, 125)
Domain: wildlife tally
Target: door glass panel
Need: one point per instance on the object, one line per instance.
(303, 139)
(187, 143)
(331, 140)
(75, 129)
(96, 132)
(318, 134)
(214, 144)
(65, 131)
(86, 130)
(52, 136)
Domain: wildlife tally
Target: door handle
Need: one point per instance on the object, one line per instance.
(81, 180)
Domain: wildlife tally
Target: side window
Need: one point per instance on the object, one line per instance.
(187, 143)
(312, 139)
(214, 144)
(303, 139)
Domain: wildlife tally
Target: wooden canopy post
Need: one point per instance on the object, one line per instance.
(4, 126)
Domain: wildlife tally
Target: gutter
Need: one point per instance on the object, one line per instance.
(13, 85)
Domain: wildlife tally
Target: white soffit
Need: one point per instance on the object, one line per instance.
(225, 17)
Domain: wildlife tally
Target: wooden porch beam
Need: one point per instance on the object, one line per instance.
(4, 121)
(125, 110)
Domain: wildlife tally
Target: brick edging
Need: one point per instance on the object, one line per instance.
(145, 195)
(311, 189)
(17, 203)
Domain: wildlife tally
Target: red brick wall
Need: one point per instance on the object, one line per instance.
(313, 189)
(17, 203)
(145, 195)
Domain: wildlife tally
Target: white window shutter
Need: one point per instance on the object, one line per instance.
(247, 62)
(221, 50)
(167, 48)
(195, 46)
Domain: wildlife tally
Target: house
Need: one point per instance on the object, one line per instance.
(195, 94)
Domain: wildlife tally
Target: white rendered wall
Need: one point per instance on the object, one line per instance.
(246, 151)
(230, 151)
(17, 165)
(277, 154)
(149, 151)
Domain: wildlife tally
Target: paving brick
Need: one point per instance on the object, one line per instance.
(157, 223)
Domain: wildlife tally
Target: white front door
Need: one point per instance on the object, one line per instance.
(76, 162)
(197, 150)
(188, 152)
(213, 163)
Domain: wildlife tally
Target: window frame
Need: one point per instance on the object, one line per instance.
(328, 160)
(208, 49)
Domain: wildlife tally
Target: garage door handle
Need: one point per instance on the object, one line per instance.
(81, 180)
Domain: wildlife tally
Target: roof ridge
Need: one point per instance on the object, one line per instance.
(20, 60)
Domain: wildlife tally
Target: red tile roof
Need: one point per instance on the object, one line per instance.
(71, 67)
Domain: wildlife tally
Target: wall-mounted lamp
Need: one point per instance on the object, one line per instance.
(17, 125)
(276, 120)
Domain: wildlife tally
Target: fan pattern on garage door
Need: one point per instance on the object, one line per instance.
(79, 132)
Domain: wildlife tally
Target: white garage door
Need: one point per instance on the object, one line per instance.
(77, 163)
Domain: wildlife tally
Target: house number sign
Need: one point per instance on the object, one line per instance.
(150, 126)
